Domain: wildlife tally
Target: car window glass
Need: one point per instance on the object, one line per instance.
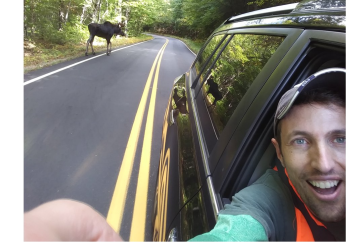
(204, 58)
(233, 73)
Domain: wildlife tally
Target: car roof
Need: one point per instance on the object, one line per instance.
(316, 14)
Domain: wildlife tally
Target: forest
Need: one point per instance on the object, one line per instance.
(51, 26)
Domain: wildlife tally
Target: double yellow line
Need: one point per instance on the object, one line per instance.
(116, 210)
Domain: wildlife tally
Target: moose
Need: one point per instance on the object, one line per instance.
(214, 90)
(106, 31)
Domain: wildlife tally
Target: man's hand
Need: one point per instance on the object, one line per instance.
(65, 220)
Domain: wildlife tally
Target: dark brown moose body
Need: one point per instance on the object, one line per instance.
(106, 31)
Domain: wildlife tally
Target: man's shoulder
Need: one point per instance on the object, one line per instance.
(268, 192)
(270, 180)
(268, 201)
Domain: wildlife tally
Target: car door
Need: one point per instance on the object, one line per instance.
(241, 51)
(178, 176)
(247, 151)
(250, 152)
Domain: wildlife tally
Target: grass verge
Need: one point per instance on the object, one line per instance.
(39, 54)
(194, 45)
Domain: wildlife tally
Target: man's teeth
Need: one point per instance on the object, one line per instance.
(324, 184)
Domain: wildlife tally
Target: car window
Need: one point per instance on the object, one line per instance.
(234, 72)
(205, 58)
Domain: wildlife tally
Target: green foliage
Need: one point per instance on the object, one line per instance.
(236, 69)
(48, 20)
(270, 3)
(198, 19)
(65, 21)
(75, 32)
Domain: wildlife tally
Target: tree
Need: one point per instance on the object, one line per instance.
(60, 21)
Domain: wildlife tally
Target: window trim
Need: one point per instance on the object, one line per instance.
(194, 83)
(259, 82)
(212, 64)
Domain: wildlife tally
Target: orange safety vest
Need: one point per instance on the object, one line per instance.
(308, 227)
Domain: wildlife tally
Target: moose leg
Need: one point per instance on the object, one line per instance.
(89, 41)
(92, 48)
(107, 47)
(87, 47)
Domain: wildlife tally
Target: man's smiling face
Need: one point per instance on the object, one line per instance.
(313, 144)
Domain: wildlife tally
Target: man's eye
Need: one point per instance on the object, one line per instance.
(340, 140)
(300, 141)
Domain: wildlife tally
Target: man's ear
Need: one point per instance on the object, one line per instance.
(278, 151)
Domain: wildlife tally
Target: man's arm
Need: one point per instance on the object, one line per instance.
(234, 228)
(261, 211)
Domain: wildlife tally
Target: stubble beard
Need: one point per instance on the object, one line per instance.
(324, 211)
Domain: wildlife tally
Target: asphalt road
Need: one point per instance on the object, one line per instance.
(78, 122)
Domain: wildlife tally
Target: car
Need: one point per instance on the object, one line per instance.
(217, 127)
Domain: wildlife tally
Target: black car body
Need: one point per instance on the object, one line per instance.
(218, 124)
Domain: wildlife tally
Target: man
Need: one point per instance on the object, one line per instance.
(303, 199)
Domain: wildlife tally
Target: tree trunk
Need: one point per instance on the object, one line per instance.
(32, 19)
(99, 11)
(85, 10)
(106, 12)
(95, 14)
(121, 9)
(126, 21)
(68, 9)
(61, 17)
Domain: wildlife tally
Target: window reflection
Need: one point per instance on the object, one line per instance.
(204, 60)
(180, 100)
(213, 89)
(193, 218)
(235, 70)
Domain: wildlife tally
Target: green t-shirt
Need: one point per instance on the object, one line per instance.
(260, 212)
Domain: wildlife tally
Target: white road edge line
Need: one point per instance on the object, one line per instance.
(187, 47)
(64, 68)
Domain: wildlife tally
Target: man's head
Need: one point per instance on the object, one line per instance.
(310, 140)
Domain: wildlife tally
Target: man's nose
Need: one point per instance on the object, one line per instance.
(322, 157)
